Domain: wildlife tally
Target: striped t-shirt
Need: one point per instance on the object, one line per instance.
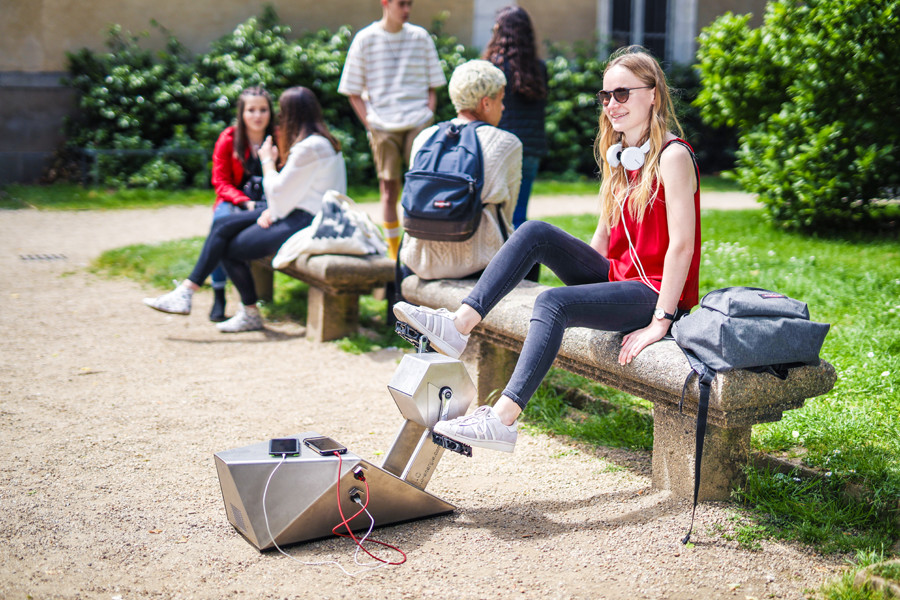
(393, 73)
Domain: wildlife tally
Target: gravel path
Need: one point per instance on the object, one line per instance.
(110, 415)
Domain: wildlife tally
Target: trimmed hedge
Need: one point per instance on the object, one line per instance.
(157, 102)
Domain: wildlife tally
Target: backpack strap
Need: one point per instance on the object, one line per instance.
(501, 224)
(705, 382)
(705, 376)
(474, 127)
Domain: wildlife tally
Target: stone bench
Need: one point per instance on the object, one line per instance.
(738, 399)
(336, 281)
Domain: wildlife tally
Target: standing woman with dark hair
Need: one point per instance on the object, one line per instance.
(513, 49)
(310, 164)
(235, 167)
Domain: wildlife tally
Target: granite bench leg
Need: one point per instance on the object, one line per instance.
(263, 281)
(489, 366)
(331, 316)
(725, 451)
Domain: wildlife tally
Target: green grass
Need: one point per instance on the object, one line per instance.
(843, 588)
(813, 511)
(719, 183)
(854, 284)
(65, 196)
(154, 265)
(888, 571)
(620, 427)
(75, 197)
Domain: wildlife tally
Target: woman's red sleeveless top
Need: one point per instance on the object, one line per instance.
(650, 238)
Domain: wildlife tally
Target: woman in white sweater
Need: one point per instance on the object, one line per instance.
(476, 90)
(311, 164)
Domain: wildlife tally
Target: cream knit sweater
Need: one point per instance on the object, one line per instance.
(502, 155)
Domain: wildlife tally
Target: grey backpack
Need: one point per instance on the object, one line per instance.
(743, 328)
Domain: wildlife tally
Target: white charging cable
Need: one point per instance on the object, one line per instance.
(368, 566)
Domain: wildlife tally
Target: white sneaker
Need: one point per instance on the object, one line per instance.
(436, 325)
(482, 429)
(244, 320)
(177, 302)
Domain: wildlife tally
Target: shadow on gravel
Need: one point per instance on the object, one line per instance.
(536, 518)
(268, 336)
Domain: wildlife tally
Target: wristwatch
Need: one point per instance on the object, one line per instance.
(659, 313)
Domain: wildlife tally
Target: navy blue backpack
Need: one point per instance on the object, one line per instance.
(442, 192)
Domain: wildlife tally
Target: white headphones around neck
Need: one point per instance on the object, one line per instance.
(632, 158)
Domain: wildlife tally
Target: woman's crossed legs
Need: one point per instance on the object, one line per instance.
(588, 299)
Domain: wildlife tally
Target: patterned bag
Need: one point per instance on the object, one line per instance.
(338, 228)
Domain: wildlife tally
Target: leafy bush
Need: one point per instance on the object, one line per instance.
(158, 174)
(165, 109)
(714, 146)
(575, 75)
(813, 92)
(134, 99)
(451, 53)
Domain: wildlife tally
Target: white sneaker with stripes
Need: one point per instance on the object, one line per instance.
(437, 325)
(482, 429)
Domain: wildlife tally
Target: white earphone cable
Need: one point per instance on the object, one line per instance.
(631, 250)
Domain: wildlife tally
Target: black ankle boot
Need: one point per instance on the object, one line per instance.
(217, 314)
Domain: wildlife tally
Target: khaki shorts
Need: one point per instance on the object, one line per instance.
(390, 150)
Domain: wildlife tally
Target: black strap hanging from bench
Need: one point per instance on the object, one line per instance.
(705, 376)
(705, 381)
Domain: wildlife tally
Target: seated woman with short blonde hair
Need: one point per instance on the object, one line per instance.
(476, 90)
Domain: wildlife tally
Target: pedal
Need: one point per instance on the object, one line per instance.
(452, 445)
(413, 337)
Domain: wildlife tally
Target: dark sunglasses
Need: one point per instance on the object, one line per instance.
(620, 94)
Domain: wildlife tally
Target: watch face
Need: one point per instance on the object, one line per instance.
(659, 313)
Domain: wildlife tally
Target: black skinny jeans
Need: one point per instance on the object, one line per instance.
(588, 299)
(236, 239)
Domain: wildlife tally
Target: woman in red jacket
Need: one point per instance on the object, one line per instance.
(237, 172)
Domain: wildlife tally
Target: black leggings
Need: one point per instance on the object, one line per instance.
(236, 239)
(588, 299)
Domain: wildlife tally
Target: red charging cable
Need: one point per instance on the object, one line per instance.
(345, 522)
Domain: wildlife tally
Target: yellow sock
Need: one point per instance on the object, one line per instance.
(392, 235)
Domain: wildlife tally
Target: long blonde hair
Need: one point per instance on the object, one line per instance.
(662, 119)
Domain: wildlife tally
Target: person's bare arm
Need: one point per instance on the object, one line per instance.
(600, 239)
(359, 107)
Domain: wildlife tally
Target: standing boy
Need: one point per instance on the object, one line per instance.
(390, 77)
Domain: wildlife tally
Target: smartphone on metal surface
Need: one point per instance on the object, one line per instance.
(284, 446)
(325, 445)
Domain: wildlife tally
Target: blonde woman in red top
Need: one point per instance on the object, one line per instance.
(637, 275)
(235, 164)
